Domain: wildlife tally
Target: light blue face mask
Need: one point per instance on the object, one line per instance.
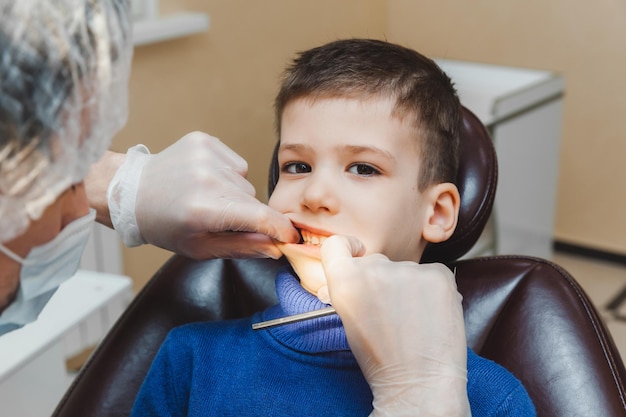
(43, 270)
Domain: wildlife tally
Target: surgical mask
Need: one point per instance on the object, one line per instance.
(43, 270)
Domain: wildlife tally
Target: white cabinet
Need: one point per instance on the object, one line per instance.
(33, 373)
(523, 111)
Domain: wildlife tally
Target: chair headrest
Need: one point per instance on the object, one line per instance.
(476, 180)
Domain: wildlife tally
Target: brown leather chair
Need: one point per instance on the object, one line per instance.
(525, 313)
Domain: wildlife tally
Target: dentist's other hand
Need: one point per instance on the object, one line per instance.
(404, 323)
(193, 198)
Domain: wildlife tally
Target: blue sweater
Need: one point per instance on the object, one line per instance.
(301, 369)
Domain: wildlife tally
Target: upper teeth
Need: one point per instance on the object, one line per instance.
(311, 238)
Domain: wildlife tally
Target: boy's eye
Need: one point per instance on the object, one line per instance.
(363, 170)
(296, 168)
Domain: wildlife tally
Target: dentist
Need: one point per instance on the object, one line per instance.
(64, 69)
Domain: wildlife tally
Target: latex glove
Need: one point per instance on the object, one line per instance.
(193, 198)
(404, 323)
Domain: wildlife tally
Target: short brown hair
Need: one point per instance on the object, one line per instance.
(362, 68)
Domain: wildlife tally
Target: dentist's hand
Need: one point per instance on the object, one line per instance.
(193, 198)
(404, 323)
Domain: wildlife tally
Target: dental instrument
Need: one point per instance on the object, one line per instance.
(294, 318)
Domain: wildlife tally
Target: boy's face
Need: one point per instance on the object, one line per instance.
(348, 167)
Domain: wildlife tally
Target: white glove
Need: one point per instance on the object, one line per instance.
(404, 323)
(193, 198)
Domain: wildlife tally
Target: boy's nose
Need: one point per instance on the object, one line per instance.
(320, 193)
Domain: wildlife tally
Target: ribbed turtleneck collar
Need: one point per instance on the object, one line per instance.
(323, 334)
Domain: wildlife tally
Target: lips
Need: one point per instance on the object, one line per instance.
(311, 235)
(311, 240)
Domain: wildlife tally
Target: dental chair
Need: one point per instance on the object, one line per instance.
(525, 313)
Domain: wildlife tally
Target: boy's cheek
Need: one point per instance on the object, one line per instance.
(276, 200)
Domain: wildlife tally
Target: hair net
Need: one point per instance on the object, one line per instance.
(64, 68)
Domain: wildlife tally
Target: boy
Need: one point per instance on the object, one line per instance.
(368, 135)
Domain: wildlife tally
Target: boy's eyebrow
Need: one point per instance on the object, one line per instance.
(293, 147)
(352, 149)
(357, 149)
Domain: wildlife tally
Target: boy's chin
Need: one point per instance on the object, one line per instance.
(305, 261)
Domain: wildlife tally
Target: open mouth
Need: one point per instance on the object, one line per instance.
(309, 238)
(305, 257)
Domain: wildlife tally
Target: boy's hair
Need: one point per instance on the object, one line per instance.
(365, 68)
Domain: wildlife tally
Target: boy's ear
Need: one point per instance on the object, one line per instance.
(442, 212)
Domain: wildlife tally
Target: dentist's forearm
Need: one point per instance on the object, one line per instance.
(97, 182)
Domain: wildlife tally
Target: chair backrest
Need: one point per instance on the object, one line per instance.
(524, 313)
(533, 318)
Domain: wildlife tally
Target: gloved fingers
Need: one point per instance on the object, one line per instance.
(404, 324)
(228, 180)
(197, 163)
(193, 198)
(385, 301)
(213, 151)
(229, 245)
(250, 215)
(191, 192)
(338, 248)
(337, 253)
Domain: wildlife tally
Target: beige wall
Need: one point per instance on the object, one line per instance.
(583, 40)
(223, 82)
